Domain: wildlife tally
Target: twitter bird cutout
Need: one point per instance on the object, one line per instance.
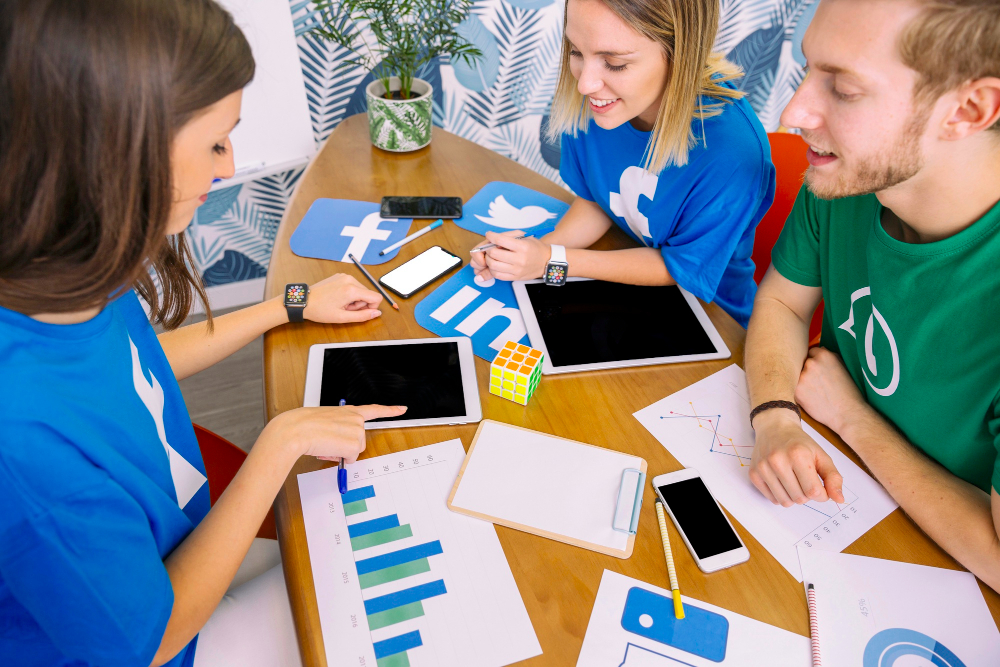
(485, 312)
(336, 228)
(501, 207)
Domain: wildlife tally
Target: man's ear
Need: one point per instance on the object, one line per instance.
(976, 107)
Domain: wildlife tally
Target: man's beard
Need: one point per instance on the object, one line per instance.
(881, 171)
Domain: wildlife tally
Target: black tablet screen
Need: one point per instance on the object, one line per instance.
(425, 378)
(592, 321)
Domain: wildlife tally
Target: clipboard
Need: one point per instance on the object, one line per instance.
(553, 487)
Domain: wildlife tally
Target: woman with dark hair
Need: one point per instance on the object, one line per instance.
(114, 121)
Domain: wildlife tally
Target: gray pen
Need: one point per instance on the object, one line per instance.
(494, 245)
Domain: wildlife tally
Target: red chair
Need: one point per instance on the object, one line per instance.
(222, 461)
(788, 152)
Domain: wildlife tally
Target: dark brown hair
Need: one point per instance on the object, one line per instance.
(92, 93)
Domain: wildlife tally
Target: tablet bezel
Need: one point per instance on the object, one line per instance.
(467, 363)
(538, 342)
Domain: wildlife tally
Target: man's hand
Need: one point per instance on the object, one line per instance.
(787, 466)
(513, 258)
(340, 298)
(827, 392)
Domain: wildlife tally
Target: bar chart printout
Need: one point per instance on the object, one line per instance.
(400, 580)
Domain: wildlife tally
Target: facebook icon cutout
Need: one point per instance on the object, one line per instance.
(502, 207)
(336, 228)
(486, 314)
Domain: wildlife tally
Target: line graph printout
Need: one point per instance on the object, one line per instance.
(402, 581)
(707, 427)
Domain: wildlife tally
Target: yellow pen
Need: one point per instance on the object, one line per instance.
(678, 605)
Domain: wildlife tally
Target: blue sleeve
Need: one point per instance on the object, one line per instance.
(729, 197)
(78, 553)
(570, 169)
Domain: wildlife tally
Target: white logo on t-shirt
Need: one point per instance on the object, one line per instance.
(507, 216)
(848, 326)
(634, 182)
(187, 479)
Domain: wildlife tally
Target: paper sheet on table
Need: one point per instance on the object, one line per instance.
(632, 625)
(707, 426)
(400, 580)
(880, 613)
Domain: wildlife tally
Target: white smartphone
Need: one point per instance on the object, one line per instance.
(420, 271)
(703, 525)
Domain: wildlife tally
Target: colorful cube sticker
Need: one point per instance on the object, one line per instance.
(515, 372)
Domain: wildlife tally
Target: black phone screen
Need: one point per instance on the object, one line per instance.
(421, 207)
(699, 516)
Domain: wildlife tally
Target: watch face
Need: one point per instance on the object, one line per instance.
(295, 294)
(555, 274)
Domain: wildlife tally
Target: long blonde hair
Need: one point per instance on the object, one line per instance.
(686, 30)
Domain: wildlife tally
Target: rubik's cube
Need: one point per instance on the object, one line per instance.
(515, 372)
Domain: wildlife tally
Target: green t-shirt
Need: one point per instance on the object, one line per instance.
(917, 325)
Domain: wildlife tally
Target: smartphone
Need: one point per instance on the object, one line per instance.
(420, 271)
(703, 525)
(421, 207)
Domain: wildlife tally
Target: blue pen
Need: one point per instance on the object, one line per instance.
(341, 471)
(409, 238)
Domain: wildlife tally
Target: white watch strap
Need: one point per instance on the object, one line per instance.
(558, 253)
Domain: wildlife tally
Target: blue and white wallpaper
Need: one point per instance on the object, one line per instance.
(502, 103)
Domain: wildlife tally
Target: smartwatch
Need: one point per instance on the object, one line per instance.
(296, 297)
(557, 268)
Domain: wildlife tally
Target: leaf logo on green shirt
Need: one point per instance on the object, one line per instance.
(848, 326)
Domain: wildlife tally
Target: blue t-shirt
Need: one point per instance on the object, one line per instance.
(701, 216)
(100, 478)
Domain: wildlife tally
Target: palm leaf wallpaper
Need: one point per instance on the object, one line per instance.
(501, 103)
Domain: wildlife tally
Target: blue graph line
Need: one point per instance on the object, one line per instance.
(405, 597)
(397, 644)
(399, 557)
(715, 433)
(357, 494)
(636, 646)
(373, 526)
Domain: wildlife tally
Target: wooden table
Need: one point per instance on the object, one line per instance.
(558, 583)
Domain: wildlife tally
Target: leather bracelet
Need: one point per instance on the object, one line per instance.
(768, 405)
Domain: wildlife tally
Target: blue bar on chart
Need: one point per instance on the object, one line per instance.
(373, 525)
(405, 596)
(399, 557)
(398, 644)
(360, 493)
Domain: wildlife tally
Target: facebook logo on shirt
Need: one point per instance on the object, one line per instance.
(485, 312)
(336, 228)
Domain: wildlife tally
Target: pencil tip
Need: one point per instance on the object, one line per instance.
(395, 306)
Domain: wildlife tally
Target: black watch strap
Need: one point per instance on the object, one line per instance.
(296, 297)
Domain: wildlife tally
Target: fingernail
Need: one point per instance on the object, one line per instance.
(377, 313)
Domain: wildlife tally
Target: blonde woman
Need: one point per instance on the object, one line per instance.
(655, 139)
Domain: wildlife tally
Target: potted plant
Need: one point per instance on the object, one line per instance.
(408, 34)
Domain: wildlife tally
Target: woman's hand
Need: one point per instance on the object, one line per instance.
(340, 298)
(328, 433)
(513, 258)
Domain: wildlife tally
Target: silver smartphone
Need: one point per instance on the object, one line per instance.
(703, 525)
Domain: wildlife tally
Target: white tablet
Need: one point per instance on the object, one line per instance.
(435, 378)
(588, 325)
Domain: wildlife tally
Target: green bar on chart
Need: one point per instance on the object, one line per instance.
(394, 660)
(381, 537)
(396, 615)
(394, 573)
(357, 507)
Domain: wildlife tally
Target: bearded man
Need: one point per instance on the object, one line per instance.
(898, 230)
